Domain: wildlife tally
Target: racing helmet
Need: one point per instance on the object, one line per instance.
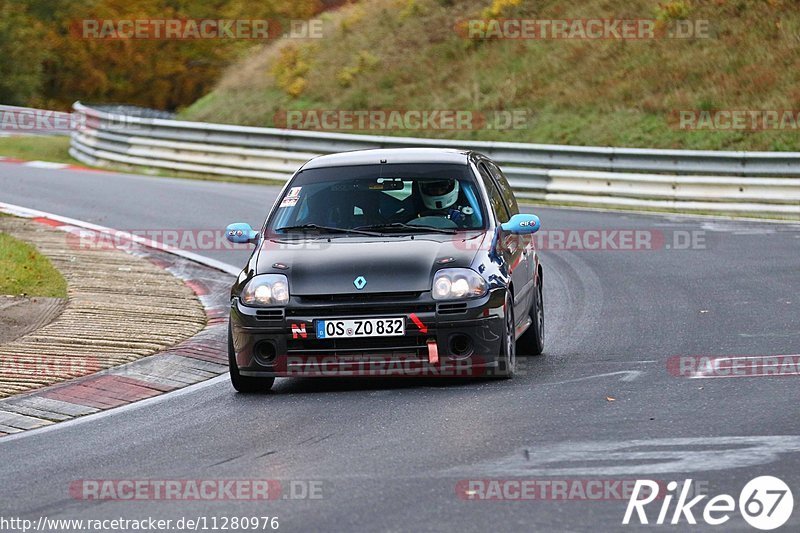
(439, 194)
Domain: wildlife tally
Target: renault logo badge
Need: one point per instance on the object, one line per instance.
(360, 282)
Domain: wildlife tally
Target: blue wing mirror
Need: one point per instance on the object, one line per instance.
(522, 224)
(241, 233)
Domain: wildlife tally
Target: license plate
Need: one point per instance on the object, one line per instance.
(361, 327)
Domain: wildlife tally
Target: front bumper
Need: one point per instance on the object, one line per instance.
(457, 339)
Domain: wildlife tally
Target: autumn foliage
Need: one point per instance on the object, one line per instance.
(44, 62)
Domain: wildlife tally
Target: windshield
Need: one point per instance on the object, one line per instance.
(384, 198)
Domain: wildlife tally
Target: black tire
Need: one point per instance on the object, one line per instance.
(532, 341)
(508, 349)
(242, 383)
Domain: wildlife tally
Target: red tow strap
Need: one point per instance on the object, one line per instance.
(433, 352)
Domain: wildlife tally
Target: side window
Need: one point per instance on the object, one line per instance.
(505, 188)
(498, 205)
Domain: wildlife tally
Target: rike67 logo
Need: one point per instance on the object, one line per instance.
(765, 503)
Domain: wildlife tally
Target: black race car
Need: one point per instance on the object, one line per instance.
(412, 262)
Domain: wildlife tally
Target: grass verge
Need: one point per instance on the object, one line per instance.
(37, 148)
(27, 272)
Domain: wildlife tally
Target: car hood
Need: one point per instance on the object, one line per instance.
(388, 264)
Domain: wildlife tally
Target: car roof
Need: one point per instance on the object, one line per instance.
(390, 156)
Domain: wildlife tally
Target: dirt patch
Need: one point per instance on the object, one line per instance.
(20, 315)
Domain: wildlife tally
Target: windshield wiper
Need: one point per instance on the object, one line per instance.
(404, 226)
(331, 229)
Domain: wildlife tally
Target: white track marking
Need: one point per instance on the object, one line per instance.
(627, 375)
(638, 457)
(45, 164)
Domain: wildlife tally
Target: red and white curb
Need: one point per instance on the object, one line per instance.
(197, 359)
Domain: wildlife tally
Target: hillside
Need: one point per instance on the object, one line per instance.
(412, 55)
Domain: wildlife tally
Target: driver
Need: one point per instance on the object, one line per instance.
(442, 198)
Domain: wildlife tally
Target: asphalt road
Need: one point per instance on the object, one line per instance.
(601, 403)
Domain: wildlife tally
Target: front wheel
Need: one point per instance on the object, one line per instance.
(508, 349)
(532, 341)
(244, 383)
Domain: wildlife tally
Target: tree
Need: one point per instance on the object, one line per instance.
(21, 55)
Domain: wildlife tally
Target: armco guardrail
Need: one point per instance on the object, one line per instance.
(763, 183)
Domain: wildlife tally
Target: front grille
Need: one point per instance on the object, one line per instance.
(365, 297)
(379, 303)
(361, 310)
(392, 303)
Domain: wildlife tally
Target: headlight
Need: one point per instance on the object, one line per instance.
(266, 289)
(458, 283)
